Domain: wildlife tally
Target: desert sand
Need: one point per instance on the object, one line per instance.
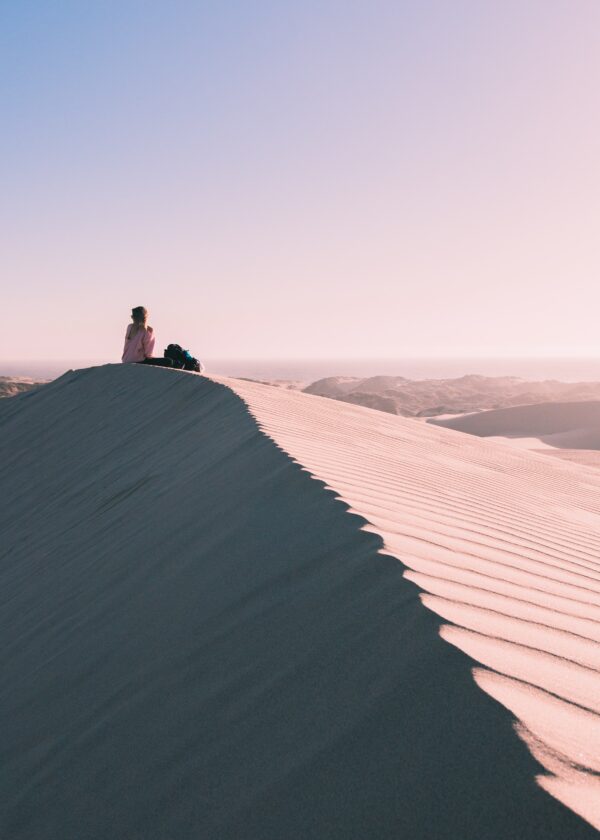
(567, 430)
(237, 611)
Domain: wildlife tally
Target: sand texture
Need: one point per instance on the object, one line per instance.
(237, 611)
(568, 430)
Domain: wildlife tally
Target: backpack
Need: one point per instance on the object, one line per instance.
(183, 359)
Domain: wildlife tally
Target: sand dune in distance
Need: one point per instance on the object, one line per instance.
(235, 611)
(567, 430)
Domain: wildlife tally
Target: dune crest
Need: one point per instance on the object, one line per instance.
(207, 632)
(503, 543)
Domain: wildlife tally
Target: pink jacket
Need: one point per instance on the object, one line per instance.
(140, 347)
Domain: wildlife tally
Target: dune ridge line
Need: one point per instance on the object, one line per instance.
(203, 639)
(504, 545)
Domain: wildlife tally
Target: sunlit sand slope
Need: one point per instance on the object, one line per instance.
(200, 640)
(505, 546)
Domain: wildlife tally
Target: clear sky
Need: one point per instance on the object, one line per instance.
(323, 178)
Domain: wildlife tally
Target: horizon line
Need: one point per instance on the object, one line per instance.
(465, 357)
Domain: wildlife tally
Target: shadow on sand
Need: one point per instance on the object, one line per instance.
(201, 642)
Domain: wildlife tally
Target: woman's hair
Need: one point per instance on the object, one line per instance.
(140, 315)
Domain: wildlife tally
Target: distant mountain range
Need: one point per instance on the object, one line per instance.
(10, 386)
(413, 397)
(433, 397)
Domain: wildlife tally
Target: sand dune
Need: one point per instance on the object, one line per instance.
(566, 424)
(569, 430)
(504, 544)
(202, 640)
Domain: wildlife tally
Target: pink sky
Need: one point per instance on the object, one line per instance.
(336, 180)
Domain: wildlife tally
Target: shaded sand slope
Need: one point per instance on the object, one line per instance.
(201, 641)
(505, 545)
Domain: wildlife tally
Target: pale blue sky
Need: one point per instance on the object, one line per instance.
(301, 179)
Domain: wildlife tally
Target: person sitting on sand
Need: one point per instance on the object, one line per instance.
(139, 338)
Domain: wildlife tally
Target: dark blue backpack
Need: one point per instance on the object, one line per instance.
(183, 359)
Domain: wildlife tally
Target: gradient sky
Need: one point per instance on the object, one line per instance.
(323, 178)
